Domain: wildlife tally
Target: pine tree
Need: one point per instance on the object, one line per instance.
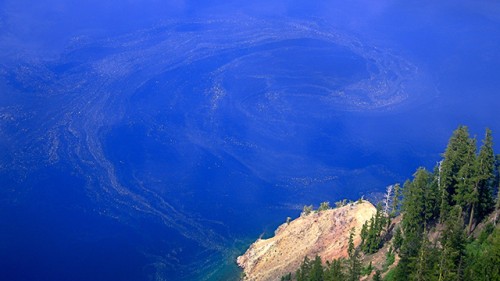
(316, 273)
(424, 262)
(371, 234)
(364, 233)
(287, 277)
(451, 262)
(398, 239)
(483, 258)
(353, 262)
(454, 159)
(334, 271)
(466, 195)
(416, 214)
(485, 179)
(497, 208)
(419, 204)
(433, 198)
(395, 200)
(302, 273)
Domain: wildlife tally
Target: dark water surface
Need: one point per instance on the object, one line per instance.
(147, 141)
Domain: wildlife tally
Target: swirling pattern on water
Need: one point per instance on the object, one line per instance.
(233, 87)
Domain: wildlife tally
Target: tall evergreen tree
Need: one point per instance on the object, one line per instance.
(398, 239)
(424, 262)
(420, 201)
(451, 261)
(353, 262)
(419, 210)
(485, 180)
(396, 200)
(454, 159)
(364, 234)
(316, 270)
(497, 208)
(466, 195)
(483, 258)
(302, 273)
(334, 271)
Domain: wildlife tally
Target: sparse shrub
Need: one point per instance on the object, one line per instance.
(341, 203)
(307, 210)
(324, 206)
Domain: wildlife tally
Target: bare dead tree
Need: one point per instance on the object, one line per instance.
(387, 199)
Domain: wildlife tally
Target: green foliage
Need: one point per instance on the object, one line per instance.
(390, 257)
(483, 257)
(449, 203)
(421, 201)
(486, 182)
(391, 275)
(353, 261)
(340, 203)
(396, 200)
(424, 263)
(324, 206)
(307, 210)
(397, 241)
(451, 261)
(372, 232)
(468, 179)
(367, 270)
(334, 271)
(304, 270)
(313, 270)
(316, 270)
(287, 277)
(454, 159)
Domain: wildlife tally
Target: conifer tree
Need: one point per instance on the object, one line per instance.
(364, 233)
(353, 262)
(371, 234)
(316, 273)
(398, 239)
(395, 200)
(419, 204)
(454, 159)
(416, 213)
(451, 262)
(485, 179)
(334, 271)
(497, 208)
(483, 258)
(425, 261)
(466, 195)
(302, 273)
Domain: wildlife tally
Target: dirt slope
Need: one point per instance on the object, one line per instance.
(324, 233)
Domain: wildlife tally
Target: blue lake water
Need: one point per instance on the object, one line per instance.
(157, 141)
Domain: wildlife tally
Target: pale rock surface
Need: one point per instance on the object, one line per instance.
(324, 233)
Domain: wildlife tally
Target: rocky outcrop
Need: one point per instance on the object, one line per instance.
(324, 233)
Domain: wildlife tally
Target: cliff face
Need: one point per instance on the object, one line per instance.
(324, 233)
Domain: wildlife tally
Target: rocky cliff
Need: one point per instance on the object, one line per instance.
(324, 233)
